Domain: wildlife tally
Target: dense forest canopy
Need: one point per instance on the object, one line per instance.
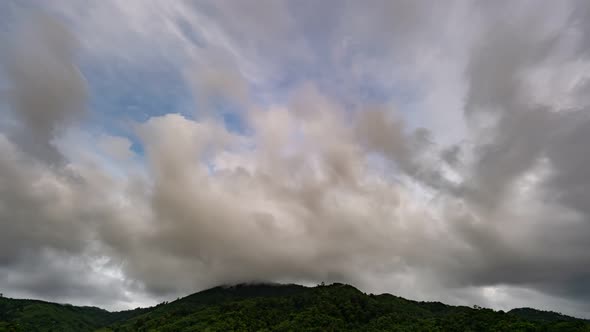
(272, 307)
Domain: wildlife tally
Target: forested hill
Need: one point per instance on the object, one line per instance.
(266, 307)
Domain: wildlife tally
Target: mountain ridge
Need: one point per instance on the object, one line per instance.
(281, 307)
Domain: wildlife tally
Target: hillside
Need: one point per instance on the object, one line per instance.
(35, 315)
(268, 307)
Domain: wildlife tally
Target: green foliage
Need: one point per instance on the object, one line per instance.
(335, 307)
(34, 315)
(539, 315)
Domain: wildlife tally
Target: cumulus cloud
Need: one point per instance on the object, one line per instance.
(464, 182)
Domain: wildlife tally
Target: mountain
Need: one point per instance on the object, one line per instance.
(274, 307)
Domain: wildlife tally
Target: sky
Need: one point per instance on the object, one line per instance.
(434, 150)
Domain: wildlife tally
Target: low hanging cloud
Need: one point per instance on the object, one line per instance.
(315, 188)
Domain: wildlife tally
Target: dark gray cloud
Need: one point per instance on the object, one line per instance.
(65, 278)
(45, 88)
(528, 149)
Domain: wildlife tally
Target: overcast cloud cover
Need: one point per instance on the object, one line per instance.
(434, 150)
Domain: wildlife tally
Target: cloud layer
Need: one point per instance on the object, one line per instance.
(435, 152)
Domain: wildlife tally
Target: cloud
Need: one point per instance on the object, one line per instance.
(116, 147)
(46, 89)
(459, 173)
(215, 77)
(511, 187)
